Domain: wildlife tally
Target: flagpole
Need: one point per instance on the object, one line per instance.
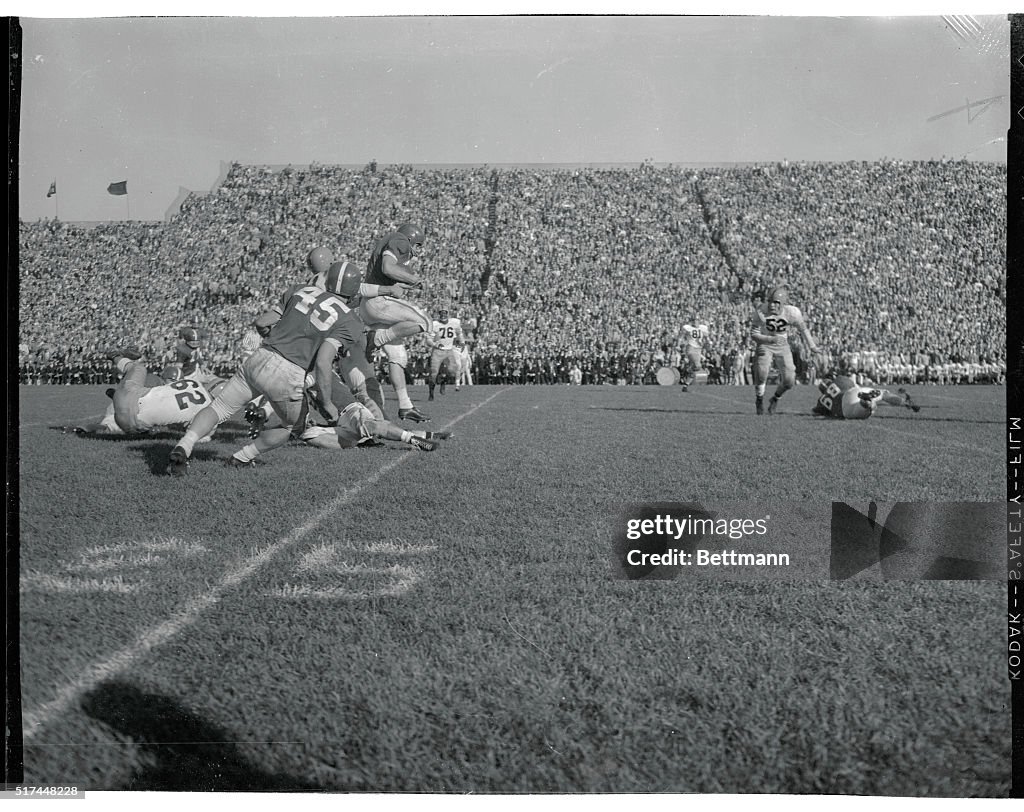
(127, 202)
(56, 202)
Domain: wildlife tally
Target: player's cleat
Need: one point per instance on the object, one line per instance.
(234, 462)
(431, 396)
(440, 435)
(869, 395)
(413, 415)
(368, 442)
(456, 389)
(423, 444)
(178, 464)
(759, 405)
(684, 388)
(773, 404)
(256, 418)
(908, 402)
(110, 392)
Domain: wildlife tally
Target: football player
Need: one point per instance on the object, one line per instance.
(324, 277)
(771, 329)
(188, 354)
(390, 319)
(444, 338)
(312, 326)
(842, 398)
(140, 405)
(465, 367)
(358, 425)
(694, 338)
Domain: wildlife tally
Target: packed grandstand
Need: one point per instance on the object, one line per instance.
(568, 275)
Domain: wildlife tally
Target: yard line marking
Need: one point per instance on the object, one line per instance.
(945, 442)
(35, 720)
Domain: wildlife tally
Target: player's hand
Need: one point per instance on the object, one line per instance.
(331, 413)
(397, 291)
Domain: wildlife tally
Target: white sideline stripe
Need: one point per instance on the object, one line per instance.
(35, 720)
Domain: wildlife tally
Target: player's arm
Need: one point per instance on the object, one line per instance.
(459, 339)
(265, 321)
(398, 272)
(368, 291)
(756, 335)
(805, 333)
(812, 346)
(323, 367)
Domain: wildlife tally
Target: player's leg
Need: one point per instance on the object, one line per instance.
(234, 396)
(435, 371)
(762, 363)
(386, 430)
(900, 398)
(393, 321)
(398, 359)
(787, 377)
(443, 371)
(129, 391)
(284, 385)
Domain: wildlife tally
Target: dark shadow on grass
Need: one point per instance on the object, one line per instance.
(157, 455)
(180, 751)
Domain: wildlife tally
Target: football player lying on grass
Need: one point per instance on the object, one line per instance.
(360, 422)
(142, 403)
(842, 398)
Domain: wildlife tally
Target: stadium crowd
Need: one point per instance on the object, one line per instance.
(559, 275)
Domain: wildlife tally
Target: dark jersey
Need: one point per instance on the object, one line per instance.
(188, 357)
(399, 246)
(830, 402)
(309, 317)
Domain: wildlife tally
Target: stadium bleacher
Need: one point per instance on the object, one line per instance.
(898, 266)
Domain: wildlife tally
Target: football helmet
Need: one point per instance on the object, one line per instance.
(777, 299)
(413, 232)
(190, 335)
(343, 278)
(319, 260)
(442, 314)
(171, 373)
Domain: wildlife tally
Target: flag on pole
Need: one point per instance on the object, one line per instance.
(119, 188)
(53, 189)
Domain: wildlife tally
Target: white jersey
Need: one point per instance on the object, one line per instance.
(172, 403)
(777, 326)
(444, 334)
(694, 336)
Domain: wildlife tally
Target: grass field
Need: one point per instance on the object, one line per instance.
(389, 620)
